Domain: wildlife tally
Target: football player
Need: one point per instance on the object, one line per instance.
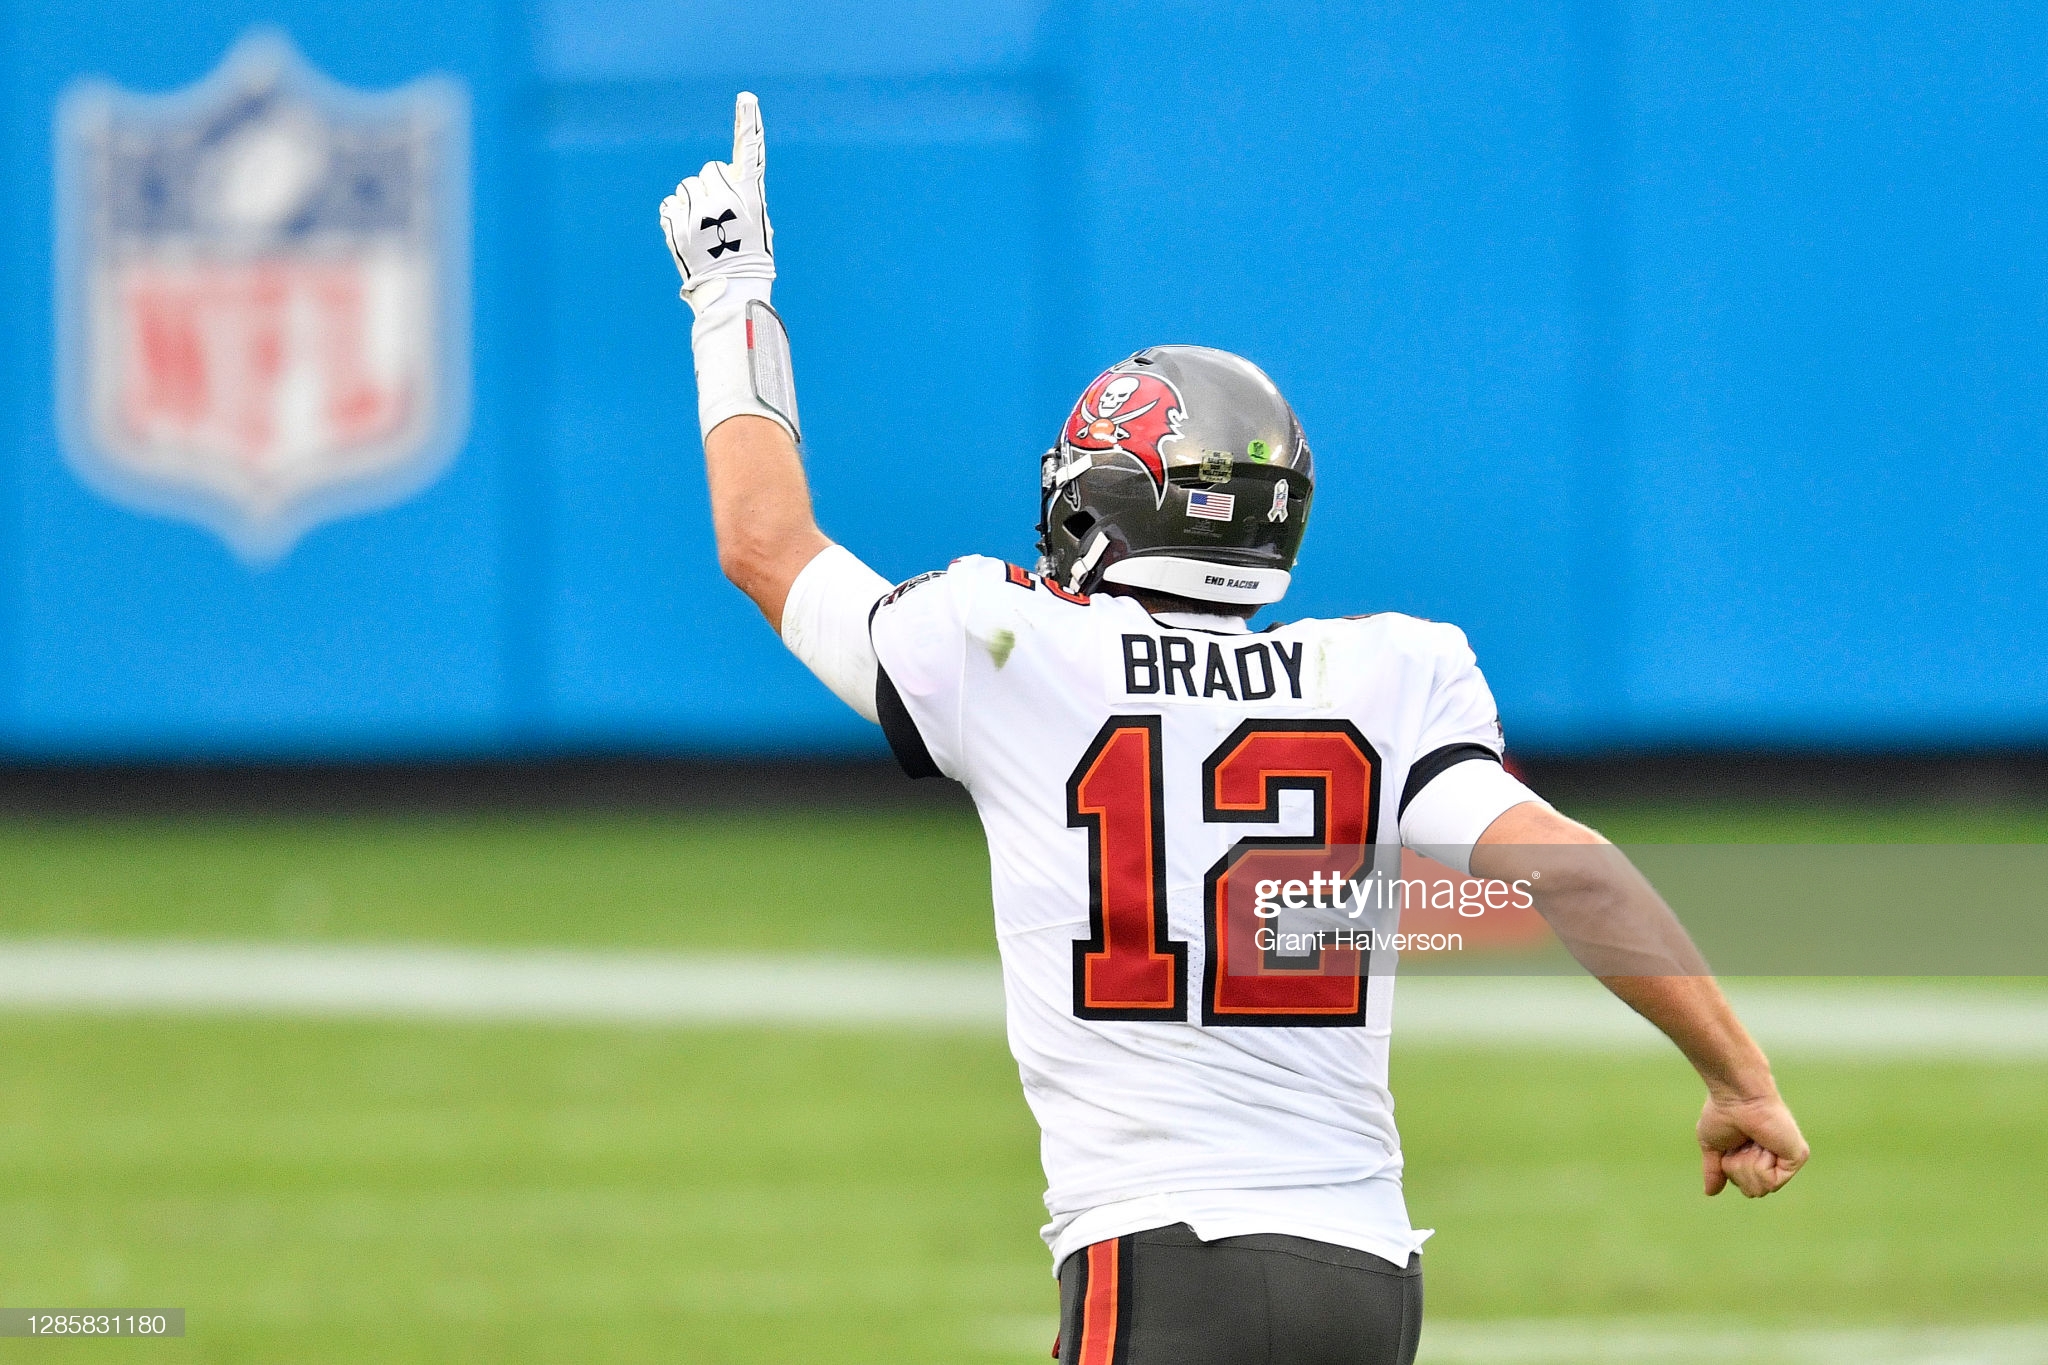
(1223, 1170)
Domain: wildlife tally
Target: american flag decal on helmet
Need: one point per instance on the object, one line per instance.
(1211, 506)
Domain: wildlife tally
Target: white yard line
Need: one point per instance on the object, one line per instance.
(559, 985)
(493, 983)
(1893, 1018)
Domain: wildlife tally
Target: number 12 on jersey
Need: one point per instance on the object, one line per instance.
(1129, 968)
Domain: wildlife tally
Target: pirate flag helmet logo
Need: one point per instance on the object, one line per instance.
(1130, 414)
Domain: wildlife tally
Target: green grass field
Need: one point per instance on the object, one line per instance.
(456, 1192)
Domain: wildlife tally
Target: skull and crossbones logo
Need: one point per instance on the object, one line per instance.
(1106, 423)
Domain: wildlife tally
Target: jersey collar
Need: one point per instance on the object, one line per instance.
(1216, 623)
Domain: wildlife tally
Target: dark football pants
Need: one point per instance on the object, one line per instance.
(1166, 1297)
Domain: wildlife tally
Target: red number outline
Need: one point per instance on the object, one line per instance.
(1118, 872)
(1331, 993)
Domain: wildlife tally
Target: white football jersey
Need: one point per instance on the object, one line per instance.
(1117, 760)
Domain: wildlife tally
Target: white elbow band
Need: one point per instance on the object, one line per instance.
(1447, 817)
(742, 354)
(825, 624)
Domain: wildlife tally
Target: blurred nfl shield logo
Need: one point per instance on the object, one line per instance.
(263, 294)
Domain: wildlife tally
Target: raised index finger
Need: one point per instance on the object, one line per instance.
(749, 147)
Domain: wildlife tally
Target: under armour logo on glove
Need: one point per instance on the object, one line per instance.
(717, 225)
(733, 238)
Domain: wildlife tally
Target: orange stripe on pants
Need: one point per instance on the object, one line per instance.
(1098, 1310)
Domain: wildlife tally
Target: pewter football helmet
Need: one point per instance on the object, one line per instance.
(1181, 471)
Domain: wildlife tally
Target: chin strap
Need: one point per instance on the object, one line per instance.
(1085, 565)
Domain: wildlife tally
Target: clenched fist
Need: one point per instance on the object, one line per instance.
(1753, 1144)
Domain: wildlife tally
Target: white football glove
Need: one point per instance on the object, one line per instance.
(717, 221)
(718, 233)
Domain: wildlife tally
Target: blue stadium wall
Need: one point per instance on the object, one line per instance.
(1694, 358)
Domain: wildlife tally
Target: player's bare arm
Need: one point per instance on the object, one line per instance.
(760, 510)
(1612, 920)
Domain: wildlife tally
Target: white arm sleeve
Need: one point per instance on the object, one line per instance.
(825, 624)
(742, 356)
(1461, 792)
(1447, 817)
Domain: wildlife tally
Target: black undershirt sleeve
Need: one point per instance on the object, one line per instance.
(900, 730)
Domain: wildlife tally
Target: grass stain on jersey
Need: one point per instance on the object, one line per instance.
(999, 646)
